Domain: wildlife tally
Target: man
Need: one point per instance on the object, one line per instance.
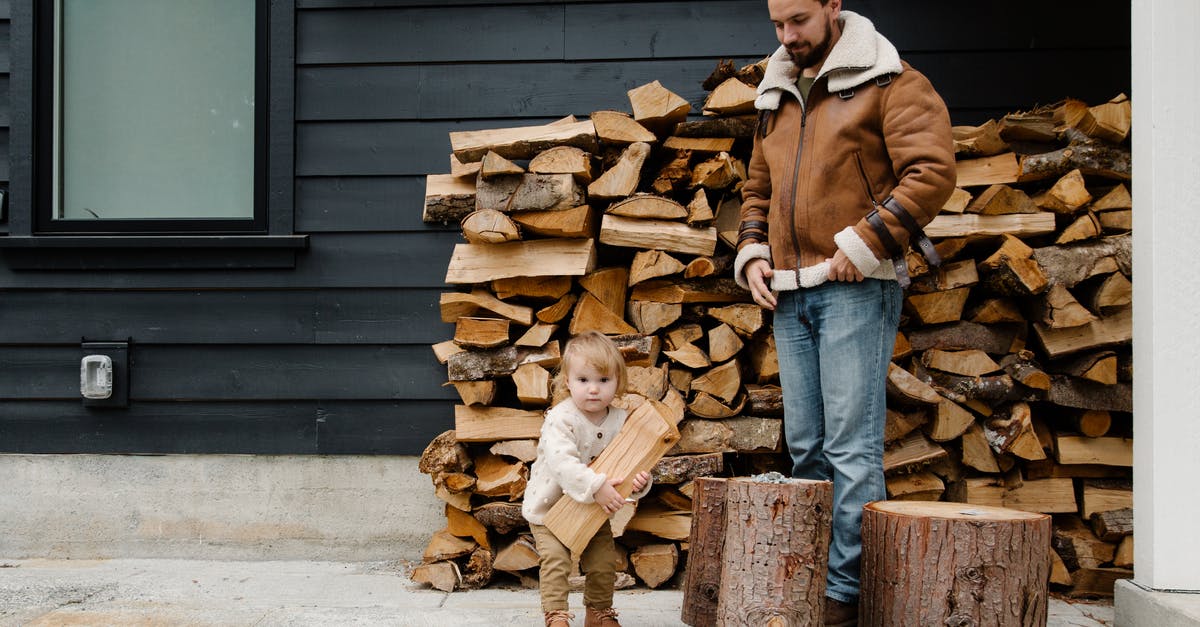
(852, 156)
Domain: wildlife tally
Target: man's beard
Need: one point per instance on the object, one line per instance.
(815, 54)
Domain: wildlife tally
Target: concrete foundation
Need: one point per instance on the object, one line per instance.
(1137, 607)
(218, 507)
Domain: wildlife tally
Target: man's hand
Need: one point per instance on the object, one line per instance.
(758, 272)
(841, 268)
(608, 498)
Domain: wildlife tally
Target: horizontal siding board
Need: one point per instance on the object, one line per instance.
(289, 428)
(363, 203)
(333, 260)
(632, 30)
(429, 35)
(5, 108)
(358, 92)
(5, 48)
(237, 373)
(387, 316)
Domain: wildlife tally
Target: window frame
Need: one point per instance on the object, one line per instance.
(272, 243)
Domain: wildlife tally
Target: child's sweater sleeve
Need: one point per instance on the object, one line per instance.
(563, 460)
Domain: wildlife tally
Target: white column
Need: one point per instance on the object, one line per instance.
(1166, 293)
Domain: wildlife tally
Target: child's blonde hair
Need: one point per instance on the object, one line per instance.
(596, 350)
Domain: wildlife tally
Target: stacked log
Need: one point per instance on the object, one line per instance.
(1010, 384)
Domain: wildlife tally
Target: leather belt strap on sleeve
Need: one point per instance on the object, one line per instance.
(899, 263)
(915, 232)
(754, 224)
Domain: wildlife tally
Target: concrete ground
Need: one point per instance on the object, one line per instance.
(198, 592)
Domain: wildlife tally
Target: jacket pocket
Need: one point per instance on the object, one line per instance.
(866, 181)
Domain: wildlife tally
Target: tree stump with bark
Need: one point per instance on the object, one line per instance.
(940, 563)
(776, 552)
(706, 548)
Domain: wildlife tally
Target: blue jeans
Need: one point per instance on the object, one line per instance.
(835, 342)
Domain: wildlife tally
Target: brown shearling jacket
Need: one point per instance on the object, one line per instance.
(872, 127)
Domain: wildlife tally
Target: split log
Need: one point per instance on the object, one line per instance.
(442, 576)
(738, 126)
(1001, 200)
(1002, 168)
(1049, 496)
(648, 207)
(577, 222)
(477, 263)
(711, 145)
(706, 290)
(1110, 330)
(723, 342)
(1098, 496)
(494, 165)
(972, 224)
(937, 307)
(1107, 451)
(1124, 555)
(481, 332)
(476, 392)
(898, 424)
(1112, 525)
(657, 107)
(1023, 370)
(477, 365)
(1011, 432)
(1066, 196)
(1016, 277)
(700, 214)
(1079, 547)
(949, 564)
(971, 363)
(1093, 423)
(489, 226)
(911, 453)
(978, 141)
(1116, 198)
(533, 385)
(655, 563)
(564, 160)
(488, 424)
(649, 316)
(650, 264)
(454, 305)
(524, 450)
(718, 172)
(918, 486)
(657, 234)
(1086, 226)
(444, 454)
(731, 97)
(500, 516)
(996, 339)
(723, 382)
(622, 179)
(1070, 265)
(1109, 293)
(775, 555)
(949, 421)
(649, 431)
(1098, 366)
(556, 312)
(518, 555)
(448, 198)
(537, 335)
(522, 142)
(1096, 582)
(614, 127)
(661, 521)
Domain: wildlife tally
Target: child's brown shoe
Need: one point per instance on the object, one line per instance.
(606, 617)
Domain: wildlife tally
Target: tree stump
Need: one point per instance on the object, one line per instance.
(706, 545)
(954, 564)
(776, 552)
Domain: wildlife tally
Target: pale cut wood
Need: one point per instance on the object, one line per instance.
(650, 264)
(657, 234)
(705, 405)
(464, 525)
(442, 576)
(1049, 496)
(1059, 575)
(622, 178)
(718, 172)
(908, 389)
(615, 127)
(689, 355)
(1003, 168)
(948, 421)
(520, 554)
(488, 424)
(662, 522)
(699, 267)
(1017, 277)
(465, 170)
(1067, 195)
(912, 452)
(970, 362)
(494, 165)
(474, 263)
(1057, 308)
(524, 450)
(918, 486)
(791, 521)
(655, 106)
(537, 335)
(648, 206)
(460, 500)
(898, 424)
(476, 392)
(1096, 582)
(522, 142)
(533, 385)
(591, 314)
(937, 307)
(648, 382)
(1002, 200)
(1116, 198)
(1078, 546)
(1093, 422)
(1086, 226)
(444, 350)
(608, 285)
(649, 316)
(1106, 451)
(723, 382)
(675, 174)
(935, 546)
(978, 141)
(445, 546)
(976, 452)
(970, 224)
(699, 144)
(994, 311)
(638, 350)
(731, 97)
(745, 318)
(1116, 328)
(1123, 558)
(564, 160)
(559, 310)
(1099, 496)
(1098, 366)
(454, 305)
(481, 332)
(1110, 121)
(1021, 367)
(489, 226)
(958, 201)
(448, 198)
(514, 193)
(723, 343)
(577, 222)
(648, 433)
(1012, 432)
(499, 477)
(1116, 221)
(654, 563)
(764, 359)
(947, 277)
(700, 213)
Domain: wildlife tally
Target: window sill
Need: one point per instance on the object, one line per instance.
(143, 252)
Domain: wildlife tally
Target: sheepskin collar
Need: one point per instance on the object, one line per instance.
(860, 55)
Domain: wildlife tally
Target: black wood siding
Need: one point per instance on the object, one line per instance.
(333, 357)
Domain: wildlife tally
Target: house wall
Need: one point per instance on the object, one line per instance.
(332, 357)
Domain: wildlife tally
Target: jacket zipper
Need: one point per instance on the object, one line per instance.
(862, 171)
(796, 186)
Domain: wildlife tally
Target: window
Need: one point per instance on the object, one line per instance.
(144, 124)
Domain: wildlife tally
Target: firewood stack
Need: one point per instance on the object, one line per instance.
(1010, 382)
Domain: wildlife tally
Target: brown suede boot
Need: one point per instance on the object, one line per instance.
(606, 617)
(559, 618)
(839, 614)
